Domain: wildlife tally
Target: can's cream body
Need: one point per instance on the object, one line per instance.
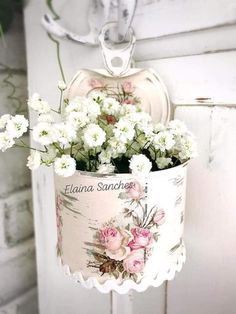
(120, 232)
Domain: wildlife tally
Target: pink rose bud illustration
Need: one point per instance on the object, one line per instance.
(94, 83)
(159, 217)
(128, 87)
(134, 263)
(135, 191)
(142, 238)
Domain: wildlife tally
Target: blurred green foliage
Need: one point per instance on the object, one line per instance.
(8, 8)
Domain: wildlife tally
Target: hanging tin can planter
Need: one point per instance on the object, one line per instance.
(120, 169)
(119, 231)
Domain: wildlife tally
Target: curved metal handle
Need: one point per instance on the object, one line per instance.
(126, 11)
(100, 12)
(56, 29)
(111, 55)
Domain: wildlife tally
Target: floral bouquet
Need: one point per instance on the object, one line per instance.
(120, 183)
(105, 131)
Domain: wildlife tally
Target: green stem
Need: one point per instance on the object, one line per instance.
(60, 105)
(51, 8)
(28, 147)
(12, 96)
(59, 148)
(58, 56)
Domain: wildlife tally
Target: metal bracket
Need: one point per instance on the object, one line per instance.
(100, 12)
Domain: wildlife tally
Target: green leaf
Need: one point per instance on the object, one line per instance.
(123, 196)
(135, 277)
(6, 14)
(116, 274)
(125, 275)
(156, 236)
(120, 268)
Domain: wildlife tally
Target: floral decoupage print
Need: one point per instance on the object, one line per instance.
(123, 244)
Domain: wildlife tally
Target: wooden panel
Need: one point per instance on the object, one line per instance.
(207, 282)
(217, 39)
(188, 78)
(192, 29)
(155, 18)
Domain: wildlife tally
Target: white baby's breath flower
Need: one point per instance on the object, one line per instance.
(78, 104)
(159, 127)
(34, 160)
(3, 120)
(139, 118)
(105, 156)
(45, 118)
(61, 85)
(65, 166)
(96, 95)
(187, 148)
(124, 130)
(116, 147)
(93, 109)
(43, 133)
(163, 140)
(163, 162)
(39, 105)
(177, 126)
(127, 109)
(106, 168)
(140, 165)
(77, 119)
(49, 157)
(110, 106)
(94, 136)
(6, 141)
(17, 126)
(64, 133)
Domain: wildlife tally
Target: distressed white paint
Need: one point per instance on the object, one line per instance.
(191, 77)
(207, 282)
(206, 285)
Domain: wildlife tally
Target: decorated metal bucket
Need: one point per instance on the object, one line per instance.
(117, 232)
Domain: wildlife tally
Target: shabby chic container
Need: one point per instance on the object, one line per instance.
(119, 232)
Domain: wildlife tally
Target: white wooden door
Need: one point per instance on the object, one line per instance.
(190, 44)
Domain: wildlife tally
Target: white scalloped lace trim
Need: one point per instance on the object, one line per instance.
(112, 285)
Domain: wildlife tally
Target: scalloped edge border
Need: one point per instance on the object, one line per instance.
(111, 285)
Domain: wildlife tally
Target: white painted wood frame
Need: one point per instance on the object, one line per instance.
(189, 43)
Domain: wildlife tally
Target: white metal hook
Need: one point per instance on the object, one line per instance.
(126, 11)
(100, 12)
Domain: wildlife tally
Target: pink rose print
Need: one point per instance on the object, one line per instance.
(142, 238)
(134, 263)
(159, 217)
(94, 83)
(115, 242)
(111, 238)
(129, 101)
(128, 87)
(135, 191)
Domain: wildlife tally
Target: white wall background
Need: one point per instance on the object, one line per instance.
(190, 45)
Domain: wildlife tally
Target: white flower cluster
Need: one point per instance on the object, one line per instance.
(103, 132)
(11, 128)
